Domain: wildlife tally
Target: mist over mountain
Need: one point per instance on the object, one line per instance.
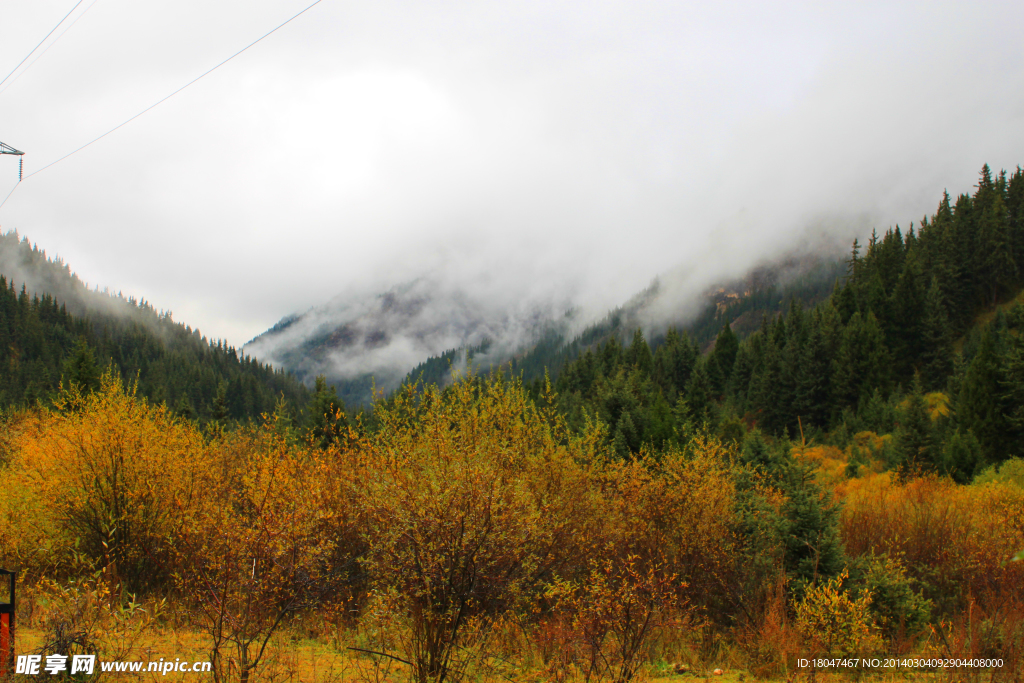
(425, 327)
(545, 140)
(364, 338)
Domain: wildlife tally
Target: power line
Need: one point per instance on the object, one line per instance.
(42, 41)
(155, 104)
(207, 73)
(11, 192)
(52, 43)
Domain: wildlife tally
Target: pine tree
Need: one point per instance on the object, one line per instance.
(726, 348)
(812, 397)
(979, 406)
(907, 304)
(758, 455)
(184, 407)
(962, 456)
(627, 435)
(862, 362)
(1013, 390)
(698, 394)
(327, 423)
(674, 361)
(611, 356)
(998, 270)
(638, 354)
(765, 396)
(913, 443)
(220, 411)
(877, 414)
(1015, 210)
(813, 546)
(845, 301)
(742, 370)
(81, 368)
(937, 340)
(854, 262)
(810, 525)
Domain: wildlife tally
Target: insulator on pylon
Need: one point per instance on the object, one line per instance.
(21, 166)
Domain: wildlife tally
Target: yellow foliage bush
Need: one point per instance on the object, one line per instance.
(834, 622)
(471, 499)
(256, 547)
(98, 477)
(955, 539)
(678, 509)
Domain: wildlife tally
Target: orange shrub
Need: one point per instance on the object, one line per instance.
(471, 502)
(955, 539)
(255, 549)
(677, 510)
(99, 478)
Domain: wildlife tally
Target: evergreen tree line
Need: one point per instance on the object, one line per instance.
(907, 344)
(554, 350)
(43, 343)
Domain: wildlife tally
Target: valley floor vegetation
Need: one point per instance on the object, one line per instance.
(470, 534)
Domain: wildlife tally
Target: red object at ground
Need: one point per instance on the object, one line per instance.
(7, 628)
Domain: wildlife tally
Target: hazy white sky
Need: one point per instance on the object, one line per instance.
(584, 146)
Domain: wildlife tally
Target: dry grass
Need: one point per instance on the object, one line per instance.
(297, 659)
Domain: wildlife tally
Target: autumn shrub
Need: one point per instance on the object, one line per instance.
(834, 621)
(255, 550)
(608, 620)
(676, 509)
(98, 476)
(471, 502)
(1009, 472)
(769, 638)
(954, 540)
(83, 616)
(995, 632)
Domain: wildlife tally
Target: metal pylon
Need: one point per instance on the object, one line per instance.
(7, 149)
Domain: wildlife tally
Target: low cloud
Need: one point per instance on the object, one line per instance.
(557, 153)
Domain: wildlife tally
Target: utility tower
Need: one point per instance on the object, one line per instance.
(7, 149)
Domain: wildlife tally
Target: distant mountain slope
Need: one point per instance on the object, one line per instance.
(52, 326)
(765, 292)
(362, 342)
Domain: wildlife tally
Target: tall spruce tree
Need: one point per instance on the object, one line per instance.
(937, 340)
(726, 348)
(913, 449)
(908, 307)
(862, 363)
(698, 394)
(639, 353)
(674, 361)
(81, 369)
(1013, 393)
(998, 270)
(980, 406)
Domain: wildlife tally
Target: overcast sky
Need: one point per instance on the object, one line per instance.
(583, 146)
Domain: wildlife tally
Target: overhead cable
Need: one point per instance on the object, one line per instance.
(41, 41)
(52, 43)
(155, 104)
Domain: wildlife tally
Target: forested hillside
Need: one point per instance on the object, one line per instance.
(921, 340)
(766, 291)
(55, 329)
